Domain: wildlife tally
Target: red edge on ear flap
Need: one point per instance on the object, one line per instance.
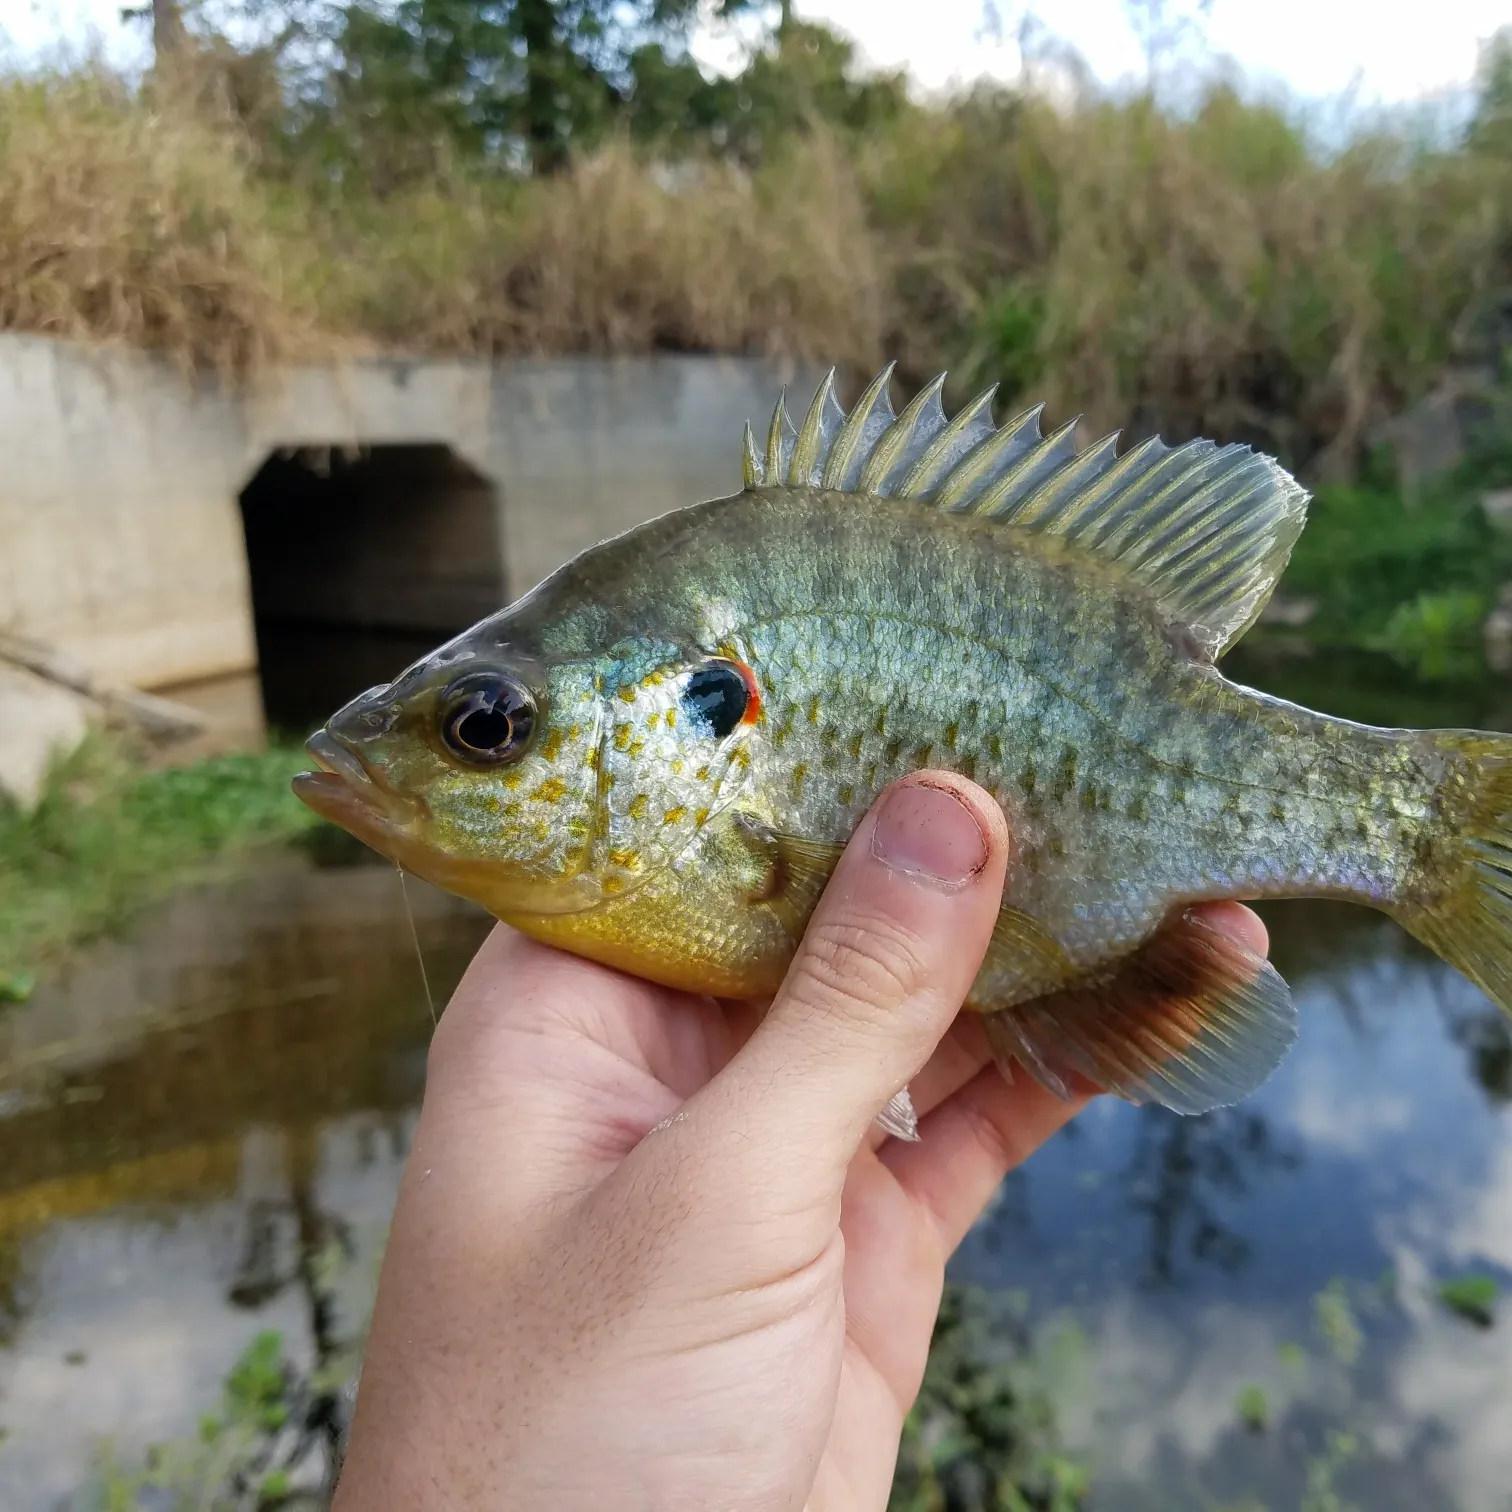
(753, 692)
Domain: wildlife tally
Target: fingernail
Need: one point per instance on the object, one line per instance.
(929, 833)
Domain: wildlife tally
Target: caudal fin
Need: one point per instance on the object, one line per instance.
(1468, 920)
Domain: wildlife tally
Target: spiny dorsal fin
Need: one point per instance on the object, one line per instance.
(1205, 529)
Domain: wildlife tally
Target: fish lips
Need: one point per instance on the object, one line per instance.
(346, 791)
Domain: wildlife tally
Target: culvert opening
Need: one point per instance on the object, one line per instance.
(360, 561)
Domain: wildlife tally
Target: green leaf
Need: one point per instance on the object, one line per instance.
(1254, 1408)
(1472, 1297)
(17, 986)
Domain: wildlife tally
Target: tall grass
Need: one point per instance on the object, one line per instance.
(125, 220)
(620, 255)
(112, 834)
(1206, 273)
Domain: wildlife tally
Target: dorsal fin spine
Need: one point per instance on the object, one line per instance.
(848, 451)
(974, 472)
(750, 461)
(1205, 531)
(913, 429)
(808, 450)
(1043, 484)
(920, 481)
(1004, 499)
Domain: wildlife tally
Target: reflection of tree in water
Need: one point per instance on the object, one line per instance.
(1371, 967)
(1181, 1170)
(1484, 1032)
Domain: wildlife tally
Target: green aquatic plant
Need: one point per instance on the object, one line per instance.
(1413, 577)
(1471, 1297)
(1292, 1356)
(17, 986)
(1321, 1495)
(1334, 1315)
(1253, 1407)
(112, 832)
(982, 1436)
(1438, 635)
(241, 1458)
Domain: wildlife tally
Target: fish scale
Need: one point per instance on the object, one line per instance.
(682, 727)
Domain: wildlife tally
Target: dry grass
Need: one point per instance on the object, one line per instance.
(121, 222)
(620, 255)
(1211, 275)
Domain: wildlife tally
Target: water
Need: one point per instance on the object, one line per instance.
(199, 1113)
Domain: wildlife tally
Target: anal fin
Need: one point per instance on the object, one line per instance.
(898, 1117)
(1192, 1020)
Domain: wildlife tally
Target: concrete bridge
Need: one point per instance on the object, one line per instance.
(153, 529)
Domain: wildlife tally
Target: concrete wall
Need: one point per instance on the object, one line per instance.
(121, 538)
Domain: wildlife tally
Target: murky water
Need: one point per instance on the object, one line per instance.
(197, 1112)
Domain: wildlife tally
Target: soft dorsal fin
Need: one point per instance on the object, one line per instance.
(1206, 529)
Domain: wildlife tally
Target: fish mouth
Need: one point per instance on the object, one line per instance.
(346, 791)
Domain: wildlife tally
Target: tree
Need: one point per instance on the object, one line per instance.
(802, 75)
(498, 77)
(1491, 125)
(167, 26)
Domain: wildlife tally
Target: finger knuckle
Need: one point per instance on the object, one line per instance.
(998, 1136)
(873, 964)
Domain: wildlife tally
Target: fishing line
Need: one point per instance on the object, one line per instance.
(409, 913)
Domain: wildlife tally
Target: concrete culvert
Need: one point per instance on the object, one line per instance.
(361, 559)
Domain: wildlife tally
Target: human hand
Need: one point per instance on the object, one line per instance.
(649, 1252)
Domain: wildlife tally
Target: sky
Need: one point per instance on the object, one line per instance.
(1315, 49)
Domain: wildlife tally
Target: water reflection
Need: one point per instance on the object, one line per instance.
(1182, 1174)
(196, 1123)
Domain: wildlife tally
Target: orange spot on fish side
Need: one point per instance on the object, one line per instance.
(613, 884)
(550, 791)
(626, 693)
(677, 767)
(701, 818)
(653, 719)
(622, 734)
(702, 774)
(671, 719)
(638, 806)
(551, 747)
(626, 860)
(674, 814)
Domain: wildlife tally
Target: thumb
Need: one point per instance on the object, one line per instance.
(885, 965)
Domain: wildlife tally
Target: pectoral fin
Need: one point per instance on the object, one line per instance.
(792, 871)
(1193, 1020)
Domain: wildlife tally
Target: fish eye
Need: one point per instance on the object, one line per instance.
(487, 719)
(718, 696)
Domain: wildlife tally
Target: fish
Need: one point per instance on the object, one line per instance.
(654, 758)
